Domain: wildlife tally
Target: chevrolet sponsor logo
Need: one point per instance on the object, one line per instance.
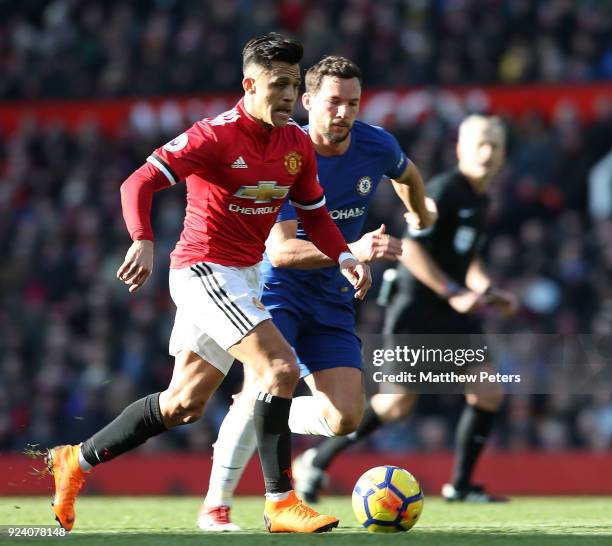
(264, 192)
(250, 211)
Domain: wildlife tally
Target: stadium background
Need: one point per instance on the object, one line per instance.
(87, 89)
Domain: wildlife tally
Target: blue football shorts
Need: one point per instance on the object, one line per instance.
(322, 337)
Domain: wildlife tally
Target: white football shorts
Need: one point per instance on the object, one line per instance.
(216, 306)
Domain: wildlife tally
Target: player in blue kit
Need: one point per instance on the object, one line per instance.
(310, 302)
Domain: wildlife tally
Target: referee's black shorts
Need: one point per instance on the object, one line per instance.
(428, 316)
(433, 325)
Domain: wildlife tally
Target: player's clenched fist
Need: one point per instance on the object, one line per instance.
(358, 274)
(138, 264)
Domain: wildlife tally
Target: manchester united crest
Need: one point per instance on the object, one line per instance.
(293, 162)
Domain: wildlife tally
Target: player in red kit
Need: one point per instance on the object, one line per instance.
(239, 167)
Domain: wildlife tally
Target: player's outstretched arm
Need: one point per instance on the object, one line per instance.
(284, 249)
(326, 236)
(411, 190)
(136, 197)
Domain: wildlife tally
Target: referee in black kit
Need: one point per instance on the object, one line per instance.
(441, 283)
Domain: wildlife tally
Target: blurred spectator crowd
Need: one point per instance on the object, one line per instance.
(76, 347)
(151, 47)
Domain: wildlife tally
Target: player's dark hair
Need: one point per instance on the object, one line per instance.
(332, 65)
(273, 46)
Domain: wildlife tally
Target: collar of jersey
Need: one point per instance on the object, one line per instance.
(249, 123)
(470, 188)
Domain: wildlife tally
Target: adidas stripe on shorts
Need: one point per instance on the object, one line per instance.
(216, 306)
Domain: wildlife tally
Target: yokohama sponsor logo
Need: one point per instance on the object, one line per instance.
(345, 214)
(253, 210)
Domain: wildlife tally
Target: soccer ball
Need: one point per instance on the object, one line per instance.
(387, 499)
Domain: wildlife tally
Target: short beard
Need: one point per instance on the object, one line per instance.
(336, 139)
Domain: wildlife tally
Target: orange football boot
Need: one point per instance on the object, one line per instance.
(63, 463)
(293, 516)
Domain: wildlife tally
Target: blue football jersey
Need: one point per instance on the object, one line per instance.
(349, 181)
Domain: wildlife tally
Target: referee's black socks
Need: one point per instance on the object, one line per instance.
(473, 431)
(133, 426)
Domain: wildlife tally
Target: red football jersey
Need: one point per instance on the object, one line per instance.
(238, 175)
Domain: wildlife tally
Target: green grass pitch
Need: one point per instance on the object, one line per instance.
(533, 521)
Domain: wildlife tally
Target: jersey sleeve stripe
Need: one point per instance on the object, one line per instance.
(311, 205)
(154, 159)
